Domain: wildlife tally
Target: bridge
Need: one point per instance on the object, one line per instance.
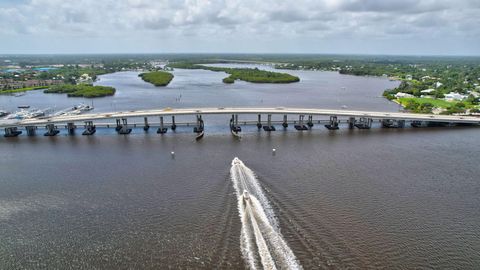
(301, 118)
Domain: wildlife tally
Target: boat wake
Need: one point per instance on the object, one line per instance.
(262, 244)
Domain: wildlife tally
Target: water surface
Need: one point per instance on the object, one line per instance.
(379, 198)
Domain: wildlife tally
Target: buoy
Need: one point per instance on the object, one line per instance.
(173, 154)
(274, 151)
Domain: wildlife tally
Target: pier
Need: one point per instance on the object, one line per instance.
(301, 118)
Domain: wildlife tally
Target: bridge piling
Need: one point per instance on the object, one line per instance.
(71, 128)
(351, 122)
(259, 122)
(364, 123)
(31, 130)
(199, 129)
(174, 126)
(90, 128)
(333, 125)
(51, 130)
(146, 126)
(118, 125)
(199, 125)
(300, 126)
(12, 132)
(285, 123)
(124, 127)
(393, 123)
(162, 129)
(234, 127)
(269, 126)
(310, 121)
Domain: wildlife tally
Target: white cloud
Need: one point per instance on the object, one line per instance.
(204, 23)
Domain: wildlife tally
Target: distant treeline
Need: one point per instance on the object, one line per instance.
(82, 90)
(157, 78)
(253, 75)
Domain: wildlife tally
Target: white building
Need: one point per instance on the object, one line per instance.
(454, 96)
(85, 78)
(403, 95)
(427, 91)
(438, 84)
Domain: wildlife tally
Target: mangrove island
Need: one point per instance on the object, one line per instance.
(82, 90)
(253, 75)
(157, 78)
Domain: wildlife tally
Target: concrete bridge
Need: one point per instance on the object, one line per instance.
(301, 118)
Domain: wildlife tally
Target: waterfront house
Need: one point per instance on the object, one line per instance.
(427, 91)
(403, 95)
(454, 96)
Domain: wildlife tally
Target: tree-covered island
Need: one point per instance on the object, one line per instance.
(253, 75)
(81, 90)
(157, 78)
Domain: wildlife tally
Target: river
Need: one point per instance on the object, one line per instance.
(379, 198)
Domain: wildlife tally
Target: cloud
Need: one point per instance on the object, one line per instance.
(207, 21)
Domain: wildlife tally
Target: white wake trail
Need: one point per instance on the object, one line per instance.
(261, 242)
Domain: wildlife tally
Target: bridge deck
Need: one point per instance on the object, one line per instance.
(225, 111)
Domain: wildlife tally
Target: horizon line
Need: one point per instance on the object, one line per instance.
(239, 53)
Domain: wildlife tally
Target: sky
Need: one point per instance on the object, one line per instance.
(400, 27)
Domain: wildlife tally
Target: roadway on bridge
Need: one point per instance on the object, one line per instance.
(244, 110)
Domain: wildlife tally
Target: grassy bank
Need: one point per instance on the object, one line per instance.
(11, 91)
(245, 74)
(427, 105)
(82, 90)
(157, 78)
(438, 103)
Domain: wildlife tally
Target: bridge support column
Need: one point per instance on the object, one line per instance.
(300, 125)
(199, 125)
(234, 127)
(269, 126)
(162, 129)
(417, 123)
(285, 123)
(259, 122)
(124, 127)
(393, 123)
(199, 129)
(12, 132)
(31, 130)
(118, 125)
(364, 123)
(146, 126)
(174, 126)
(310, 121)
(333, 125)
(51, 130)
(351, 122)
(388, 123)
(90, 128)
(71, 128)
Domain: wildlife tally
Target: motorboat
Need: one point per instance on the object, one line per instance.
(246, 195)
